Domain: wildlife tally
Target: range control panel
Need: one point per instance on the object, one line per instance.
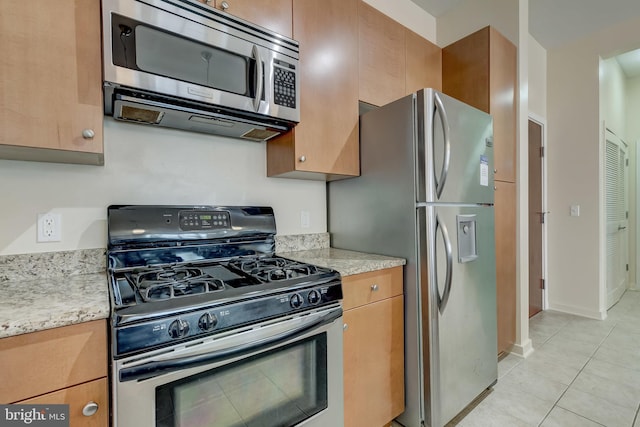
(204, 220)
(217, 318)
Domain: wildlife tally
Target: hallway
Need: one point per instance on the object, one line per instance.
(583, 373)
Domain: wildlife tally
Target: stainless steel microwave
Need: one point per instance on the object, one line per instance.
(183, 64)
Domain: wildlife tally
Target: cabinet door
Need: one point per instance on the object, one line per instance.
(92, 397)
(276, 15)
(325, 142)
(51, 82)
(63, 357)
(465, 69)
(505, 220)
(503, 83)
(424, 63)
(481, 70)
(381, 57)
(374, 363)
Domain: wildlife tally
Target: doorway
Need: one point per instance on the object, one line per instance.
(617, 216)
(537, 217)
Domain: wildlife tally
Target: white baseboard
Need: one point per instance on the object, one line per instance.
(523, 350)
(579, 311)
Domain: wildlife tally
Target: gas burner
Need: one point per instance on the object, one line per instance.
(274, 269)
(250, 265)
(172, 282)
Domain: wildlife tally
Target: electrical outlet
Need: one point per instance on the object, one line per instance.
(305, 219)
(49, 227)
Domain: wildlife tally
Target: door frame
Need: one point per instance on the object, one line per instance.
(543, 124)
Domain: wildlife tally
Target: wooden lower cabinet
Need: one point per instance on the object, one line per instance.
(66, 365)
(91, 397)
(373, 348)
(505, 220)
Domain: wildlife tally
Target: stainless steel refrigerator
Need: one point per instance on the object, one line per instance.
(426, 194)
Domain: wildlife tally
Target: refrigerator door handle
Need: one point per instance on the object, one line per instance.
(442, 300)
(447, 146)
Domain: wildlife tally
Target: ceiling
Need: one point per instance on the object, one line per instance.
(556, 22)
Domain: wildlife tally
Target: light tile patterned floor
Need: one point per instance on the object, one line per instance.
(582, 373)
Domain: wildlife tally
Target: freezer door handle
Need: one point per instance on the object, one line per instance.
(447, 147)
(442, 300)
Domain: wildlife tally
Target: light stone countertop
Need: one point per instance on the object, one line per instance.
(74, 292)
(345, 262)
(38, 304)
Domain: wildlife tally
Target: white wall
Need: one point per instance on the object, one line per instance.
(613, 96)
(537, 78)
(408, 14)
(472, 15)
(576, 252)
(145, 165)
(633, 136)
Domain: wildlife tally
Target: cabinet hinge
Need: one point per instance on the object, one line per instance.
(541, 151)
(626, 214)
(627, 267)
(542, 284)
(626, 162)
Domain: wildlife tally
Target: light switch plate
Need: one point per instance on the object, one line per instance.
(575, 210)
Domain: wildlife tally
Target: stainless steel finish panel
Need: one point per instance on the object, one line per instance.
(134, 401)
(469, 175)
(466, 326)
(203, 25)
(392, 209)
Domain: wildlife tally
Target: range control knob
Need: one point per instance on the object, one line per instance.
(207, 321)
(296, 301)
(313, 297)
(178, 328)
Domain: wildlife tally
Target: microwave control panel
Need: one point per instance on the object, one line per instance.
(284, 84)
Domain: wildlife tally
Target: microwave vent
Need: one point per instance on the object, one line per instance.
(141, 115)
(260, 134)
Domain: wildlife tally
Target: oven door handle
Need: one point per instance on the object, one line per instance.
(157, 368)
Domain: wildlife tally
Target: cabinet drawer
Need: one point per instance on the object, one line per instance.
(78, 397)
(53, 359)
(365, 288)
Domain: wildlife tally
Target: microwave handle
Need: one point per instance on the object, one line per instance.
(157, 368)
(259, 77)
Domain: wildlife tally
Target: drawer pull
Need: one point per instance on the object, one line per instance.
(90, 409)
(374, 287)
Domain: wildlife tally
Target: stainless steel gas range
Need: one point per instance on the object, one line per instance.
(210, 328)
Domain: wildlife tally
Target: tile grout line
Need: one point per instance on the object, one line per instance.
(574, 378)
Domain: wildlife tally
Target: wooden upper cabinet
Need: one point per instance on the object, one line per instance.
(324, 145)
(274, 15)
(424, 63)
(51, 86)
(481, 70)
(381, 57)
(393, 61)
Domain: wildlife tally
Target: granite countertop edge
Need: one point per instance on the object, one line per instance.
(346, 262)
(45, 303)
(55, 302)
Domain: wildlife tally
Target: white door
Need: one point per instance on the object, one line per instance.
(617, 216)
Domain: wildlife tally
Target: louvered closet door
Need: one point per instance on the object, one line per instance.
(617, 217)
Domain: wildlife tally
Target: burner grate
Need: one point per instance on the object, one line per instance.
(274, 269)
(173, 282)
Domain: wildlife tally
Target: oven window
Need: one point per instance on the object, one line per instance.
(277, 388)
(180, 58)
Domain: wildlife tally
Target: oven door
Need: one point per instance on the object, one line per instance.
(177, 50)
(283, 373)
